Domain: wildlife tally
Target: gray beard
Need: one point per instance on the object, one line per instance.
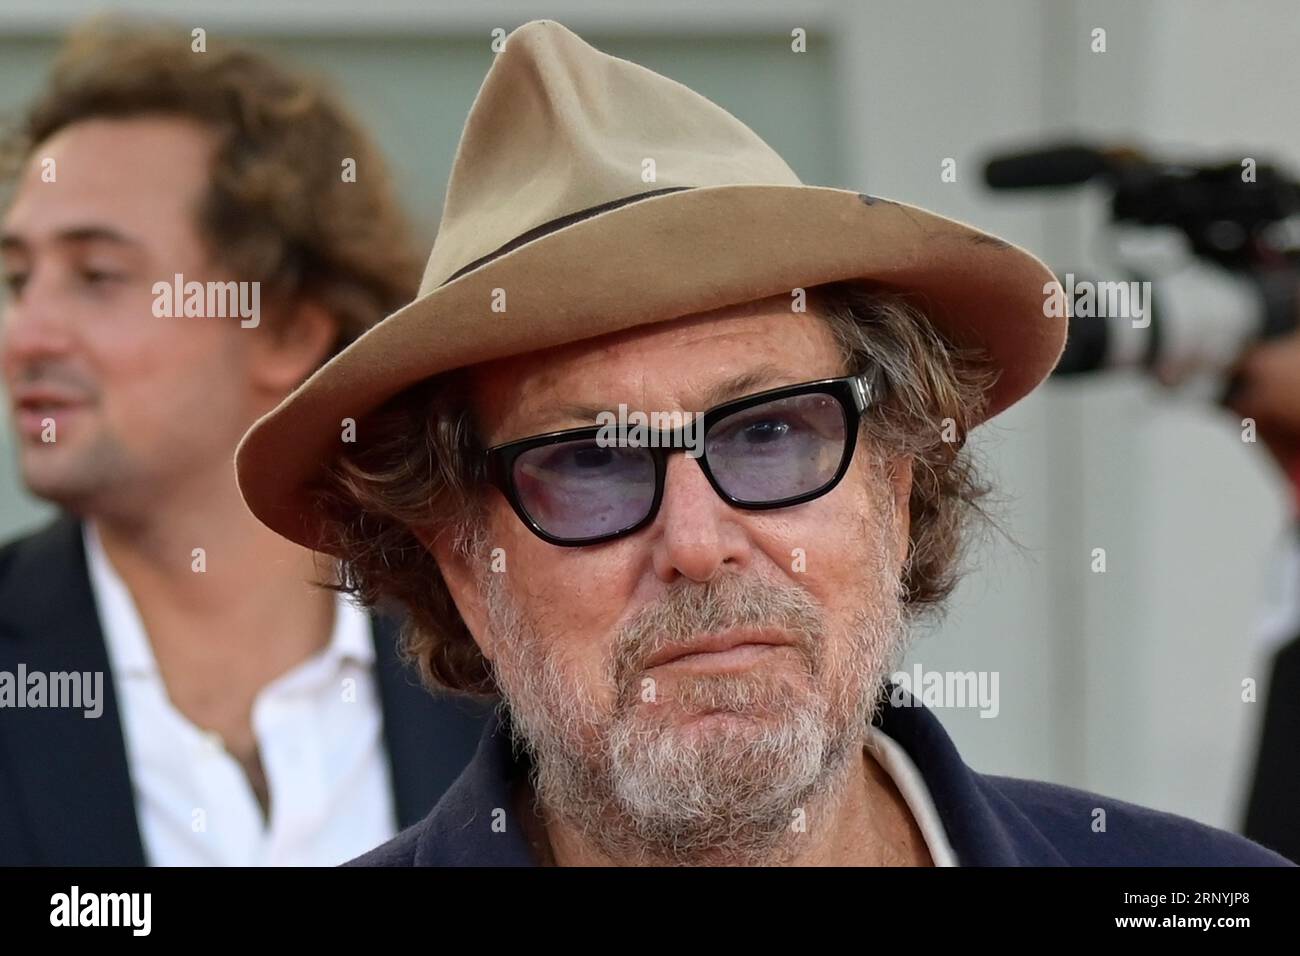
(642, 789)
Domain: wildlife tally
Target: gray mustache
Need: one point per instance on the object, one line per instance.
(689, 610)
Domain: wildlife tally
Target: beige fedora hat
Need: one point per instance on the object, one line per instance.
(550, 206)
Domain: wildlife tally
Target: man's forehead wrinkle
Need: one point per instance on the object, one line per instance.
(650, 369)
(688, 396)
(510, 395)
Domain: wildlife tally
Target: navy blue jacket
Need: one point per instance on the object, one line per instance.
(1273, 810)
(991, 821)
(65, 786)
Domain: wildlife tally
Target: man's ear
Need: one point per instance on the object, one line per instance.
(293, 348)
(462, 579)
(900, 480)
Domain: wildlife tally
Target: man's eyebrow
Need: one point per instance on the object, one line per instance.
(753, 380)
(757, 379)
(13, 242)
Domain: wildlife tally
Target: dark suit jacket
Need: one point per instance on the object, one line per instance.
(1273, 811)
(990, 821)
(65, 787)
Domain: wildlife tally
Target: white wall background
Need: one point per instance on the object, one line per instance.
(1128, 682)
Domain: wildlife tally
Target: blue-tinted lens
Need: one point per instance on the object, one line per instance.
(579, 489)
(781, 449)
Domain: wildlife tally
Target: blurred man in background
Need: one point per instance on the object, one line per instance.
(1268, 391)
(191, 233)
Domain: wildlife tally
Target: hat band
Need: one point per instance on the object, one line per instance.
(556, 224)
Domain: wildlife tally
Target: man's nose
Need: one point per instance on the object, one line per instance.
(33, 325)
(698, 533)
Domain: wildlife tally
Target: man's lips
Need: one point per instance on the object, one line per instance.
(47, 394)
(33, 406)
(735, 647)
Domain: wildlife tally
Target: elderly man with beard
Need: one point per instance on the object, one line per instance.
(690, 643)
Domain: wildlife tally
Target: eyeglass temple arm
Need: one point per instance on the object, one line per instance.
(869, 387)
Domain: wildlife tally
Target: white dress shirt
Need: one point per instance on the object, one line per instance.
(319, 733)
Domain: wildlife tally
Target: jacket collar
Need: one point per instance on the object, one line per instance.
(70, 772)
(71, 775)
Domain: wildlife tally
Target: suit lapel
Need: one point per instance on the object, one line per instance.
(68, 772)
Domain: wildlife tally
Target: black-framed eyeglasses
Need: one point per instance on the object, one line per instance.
(777, 448)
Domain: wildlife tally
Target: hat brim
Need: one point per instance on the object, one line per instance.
(650, 261)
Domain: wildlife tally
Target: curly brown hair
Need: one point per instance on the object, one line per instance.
(420, 466)
(278, 209)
